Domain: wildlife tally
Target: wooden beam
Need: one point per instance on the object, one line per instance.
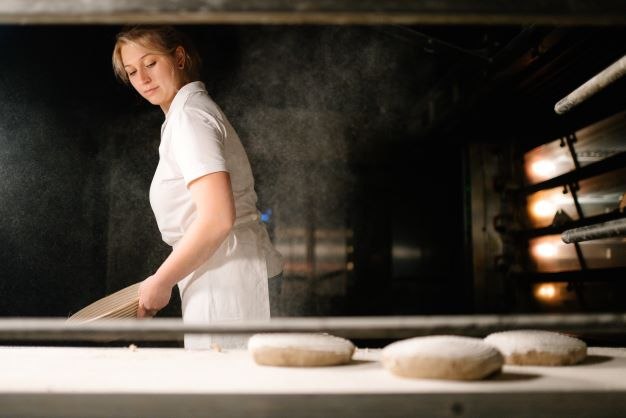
(368, 12)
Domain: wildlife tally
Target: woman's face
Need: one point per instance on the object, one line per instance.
(155, 76)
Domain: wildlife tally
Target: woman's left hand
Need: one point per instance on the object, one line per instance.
(153, 296)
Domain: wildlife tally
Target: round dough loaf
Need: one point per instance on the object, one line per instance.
(538, 348)
(442, 357)
(300, 349)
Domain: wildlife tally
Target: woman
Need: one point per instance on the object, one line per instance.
(202, 193)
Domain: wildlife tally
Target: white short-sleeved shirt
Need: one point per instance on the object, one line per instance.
(196, 140)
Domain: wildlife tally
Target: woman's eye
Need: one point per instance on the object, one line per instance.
(151, 64)
(132, 73)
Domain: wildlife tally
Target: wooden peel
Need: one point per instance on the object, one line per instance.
(121, 304)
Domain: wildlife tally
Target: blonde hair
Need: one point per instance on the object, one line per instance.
(162, 40)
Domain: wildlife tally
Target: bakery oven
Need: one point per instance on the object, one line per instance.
(555, 203)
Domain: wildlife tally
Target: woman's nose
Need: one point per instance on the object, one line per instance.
(143, 76)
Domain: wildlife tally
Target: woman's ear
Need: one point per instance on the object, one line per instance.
(180, 57)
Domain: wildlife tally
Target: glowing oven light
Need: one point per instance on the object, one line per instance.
(543, 168)
(545, 250)
(544, 209)
(546, 292)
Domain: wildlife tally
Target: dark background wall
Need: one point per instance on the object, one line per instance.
(333, 122)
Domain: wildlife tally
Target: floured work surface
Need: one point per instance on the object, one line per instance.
(115, 382)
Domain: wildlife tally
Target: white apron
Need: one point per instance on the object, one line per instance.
(230, 286)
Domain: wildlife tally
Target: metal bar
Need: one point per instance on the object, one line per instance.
(433, 399)
(616, 228)
(573, 187)
(581, 258)
(578, 285)
(351, 327)
(557, 229)
(594, 169)
(570, 140)
(600, 81)
(496, 12)
(595, 275)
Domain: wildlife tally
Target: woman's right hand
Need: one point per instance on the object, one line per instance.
(153, 296)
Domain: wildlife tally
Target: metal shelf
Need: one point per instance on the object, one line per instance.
(608, 164)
